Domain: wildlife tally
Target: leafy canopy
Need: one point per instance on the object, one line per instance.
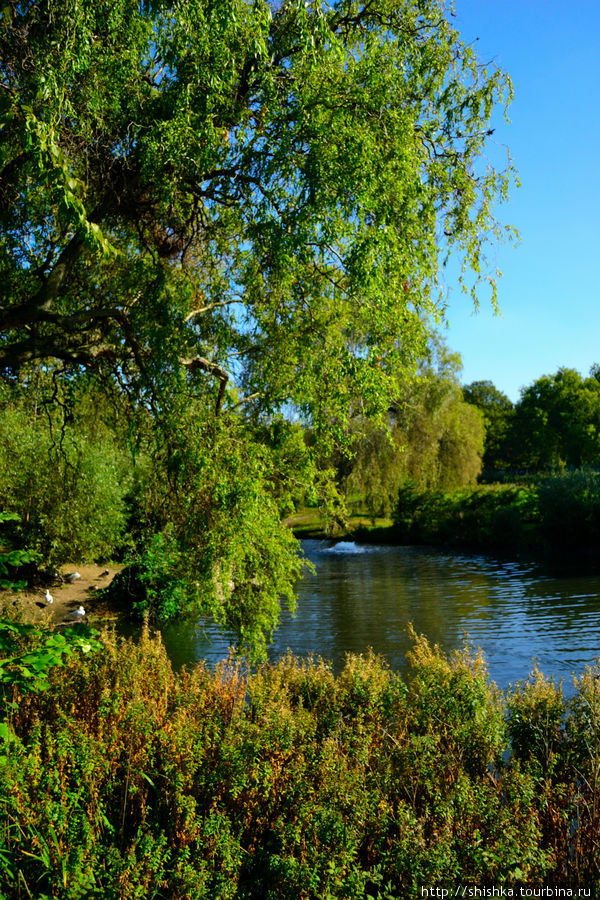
(432, 439)
(229, 209)
(557, 421)
(498, 412)
(250, 192)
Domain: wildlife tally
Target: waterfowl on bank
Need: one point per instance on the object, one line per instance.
(48, 597)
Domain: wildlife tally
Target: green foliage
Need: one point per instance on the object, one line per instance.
(560, 513)
(154, 579)
(66, 488)
(552, 505)
(208, 537)
(569, 506)
(371, 476)
(443, 435)
(176, 219)
(124, 780)
(498, 412)
(431, 439)
(177, 203)
(555, 424)
(28, 656)
(486, 516)
(10, 560)
(129, 781)
(557, 421)
(28, 653)
(536, 720)
(555, 742)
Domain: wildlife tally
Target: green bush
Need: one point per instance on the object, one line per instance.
(486, 516)
(570, 508)
(130, 781)
(551, 512)
(13, 560)
(68, 490)
(153, 583)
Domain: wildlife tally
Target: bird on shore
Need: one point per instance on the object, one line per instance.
(48, 597)
(80, 611)
(72, 577)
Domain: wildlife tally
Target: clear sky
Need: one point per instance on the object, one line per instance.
(550, 293)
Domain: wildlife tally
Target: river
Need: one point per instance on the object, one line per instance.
(364, 596)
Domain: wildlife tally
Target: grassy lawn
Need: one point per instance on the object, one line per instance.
(309, 523)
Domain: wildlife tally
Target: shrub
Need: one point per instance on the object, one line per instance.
(69, 495)
(486, 516)
(153, 584)
(553, 512)
(131, 781)
(570, 509)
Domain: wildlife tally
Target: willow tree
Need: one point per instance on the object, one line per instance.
(226, 207)
(431, 441)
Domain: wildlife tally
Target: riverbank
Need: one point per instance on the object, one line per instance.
(309, 524)
(293, 782)
(67, 596)
(554, 516)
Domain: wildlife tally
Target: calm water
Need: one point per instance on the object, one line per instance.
(362, 597)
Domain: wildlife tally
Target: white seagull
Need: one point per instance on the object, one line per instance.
(49, 598)
(80, 611)
(72, 577)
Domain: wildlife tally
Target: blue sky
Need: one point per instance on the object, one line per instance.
(549, 296)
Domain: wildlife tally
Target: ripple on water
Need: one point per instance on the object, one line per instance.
(365, 596)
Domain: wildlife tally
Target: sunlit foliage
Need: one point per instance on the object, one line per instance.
(125, 780)
(231, 211)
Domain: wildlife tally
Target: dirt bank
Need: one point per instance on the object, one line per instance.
(67, 597)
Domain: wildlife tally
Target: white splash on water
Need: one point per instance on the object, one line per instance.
(345, 547)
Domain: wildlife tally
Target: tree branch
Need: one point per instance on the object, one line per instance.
(57, 347)
(33, 309)
(199, 362)
(248, 399)
(203, 309)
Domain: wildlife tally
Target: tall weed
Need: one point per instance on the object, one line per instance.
(131, 781)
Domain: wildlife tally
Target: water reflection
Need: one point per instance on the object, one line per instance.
(360, 597)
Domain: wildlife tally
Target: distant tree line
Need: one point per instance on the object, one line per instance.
(431, 437)
(440, 436)
(555, 425)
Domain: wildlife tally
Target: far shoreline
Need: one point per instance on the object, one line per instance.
(585, 558)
